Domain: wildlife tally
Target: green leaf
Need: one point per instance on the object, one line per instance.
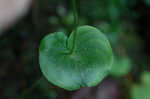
(120, 67)
(86, 66)
(141, 91)
(145, 78)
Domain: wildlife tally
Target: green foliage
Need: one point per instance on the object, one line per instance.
(121, 66)
(68, 19)
(147, 2)
(145, 77)
(112, 30)
(86, 66)
(94, 9)
(141, 91)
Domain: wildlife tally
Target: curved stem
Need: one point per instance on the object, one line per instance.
(75, 14)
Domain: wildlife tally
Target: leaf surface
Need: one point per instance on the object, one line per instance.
(86, 66)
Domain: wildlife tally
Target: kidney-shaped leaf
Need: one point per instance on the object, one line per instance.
(89, 63)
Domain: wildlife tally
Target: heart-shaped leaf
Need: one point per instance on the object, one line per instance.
(89, 63)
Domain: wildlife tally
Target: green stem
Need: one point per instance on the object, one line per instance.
(75, 14)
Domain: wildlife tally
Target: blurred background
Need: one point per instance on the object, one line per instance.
(23, 23)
